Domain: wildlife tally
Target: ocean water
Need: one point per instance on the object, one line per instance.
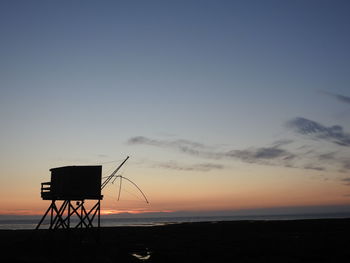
(14, 223)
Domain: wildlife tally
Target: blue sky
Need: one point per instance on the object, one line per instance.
(79, 79)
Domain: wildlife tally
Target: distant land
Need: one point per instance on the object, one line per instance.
(297, 210)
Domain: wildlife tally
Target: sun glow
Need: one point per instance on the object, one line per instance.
(133, 212)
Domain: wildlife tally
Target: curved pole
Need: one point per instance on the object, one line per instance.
(113, 175)
(120, 187)
(144, 196)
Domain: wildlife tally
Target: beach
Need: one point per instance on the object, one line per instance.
(316, 240)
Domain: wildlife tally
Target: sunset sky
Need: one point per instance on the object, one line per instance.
(221, 105)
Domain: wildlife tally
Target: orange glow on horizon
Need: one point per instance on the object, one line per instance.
(103, 212)
(251, 189)
(134, 212)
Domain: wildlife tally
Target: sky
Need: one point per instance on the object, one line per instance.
(221, 105)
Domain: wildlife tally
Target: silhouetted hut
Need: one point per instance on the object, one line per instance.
(73, 183)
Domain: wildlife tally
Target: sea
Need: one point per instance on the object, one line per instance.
(30, 222)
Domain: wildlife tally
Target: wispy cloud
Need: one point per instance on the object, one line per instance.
(330, 156)
(262, 155)
(341, 98)
(166, 143)
(314, 167)
(273, 155)
(346, 181)
(181, 145)
(337, 159)
(346, 164)
(283, 142)
(333, 134)
(202, 167)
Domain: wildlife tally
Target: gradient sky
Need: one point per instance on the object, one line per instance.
(222, 105)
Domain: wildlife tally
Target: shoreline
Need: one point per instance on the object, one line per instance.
(23, 223)
(308, 240)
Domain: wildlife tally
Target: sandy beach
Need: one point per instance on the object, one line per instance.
(324, 240)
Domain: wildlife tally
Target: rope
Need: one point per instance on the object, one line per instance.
(111, 178)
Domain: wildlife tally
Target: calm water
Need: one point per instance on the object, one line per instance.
(12, 223)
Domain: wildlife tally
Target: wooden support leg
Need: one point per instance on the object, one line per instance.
(47, 211)
(58, 219)
(59, 215)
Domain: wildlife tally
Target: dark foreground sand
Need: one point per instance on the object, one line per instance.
(238, 241)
